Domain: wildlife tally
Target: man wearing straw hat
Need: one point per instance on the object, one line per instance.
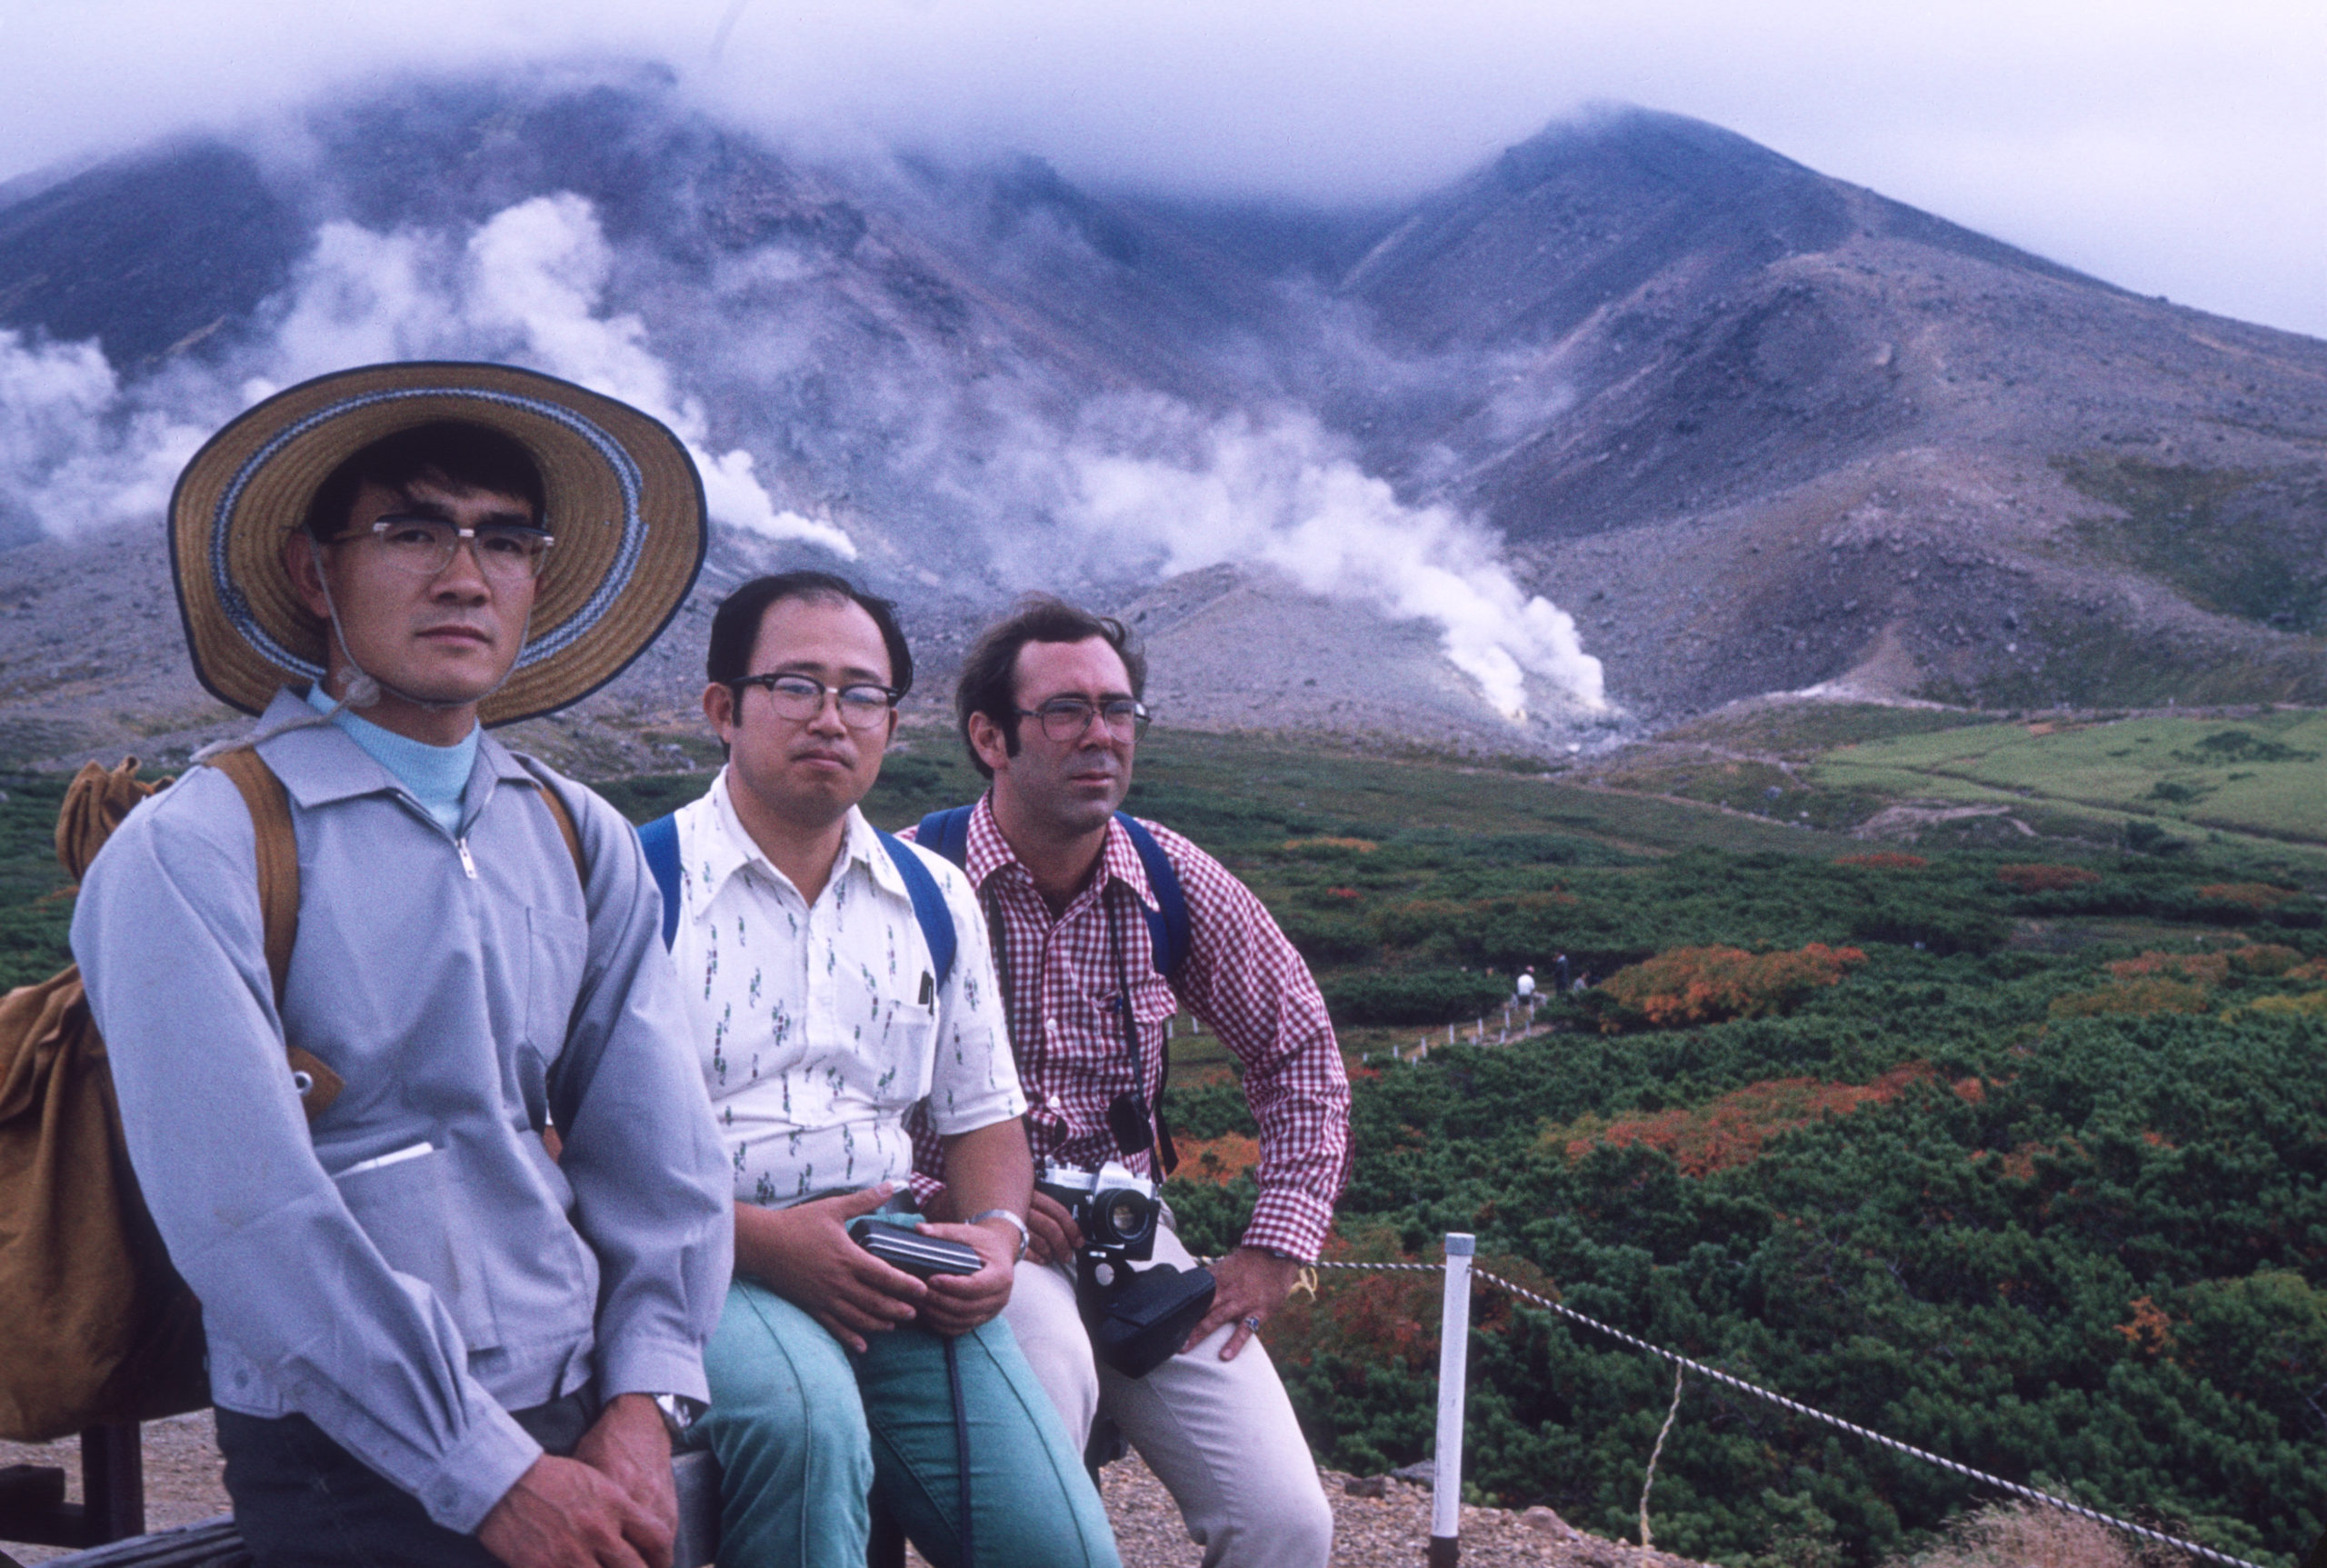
(433, 1338)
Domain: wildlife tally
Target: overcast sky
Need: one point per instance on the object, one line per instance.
(2174, 148)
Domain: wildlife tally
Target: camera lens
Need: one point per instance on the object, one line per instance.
(1125, 1217)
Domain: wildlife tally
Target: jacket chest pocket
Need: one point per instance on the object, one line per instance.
(556, 951)
(408, 1208)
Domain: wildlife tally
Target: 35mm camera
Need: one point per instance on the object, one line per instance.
(1138, 1318)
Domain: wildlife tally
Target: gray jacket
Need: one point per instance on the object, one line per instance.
(467, 986)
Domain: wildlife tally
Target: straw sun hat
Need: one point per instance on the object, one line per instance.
(623, 500)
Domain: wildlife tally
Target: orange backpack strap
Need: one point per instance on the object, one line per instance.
(565, 830)
(278, 902)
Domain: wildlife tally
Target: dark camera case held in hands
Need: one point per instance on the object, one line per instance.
(911, 1250)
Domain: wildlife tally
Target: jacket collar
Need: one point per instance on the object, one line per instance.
(320, 764)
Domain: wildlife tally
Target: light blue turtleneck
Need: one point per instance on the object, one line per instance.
(436, 775)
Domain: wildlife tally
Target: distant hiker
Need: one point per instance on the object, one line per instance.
(1524, 989)
(837, 978)
(1080, 901)
(1561, 962)
(415, 1311)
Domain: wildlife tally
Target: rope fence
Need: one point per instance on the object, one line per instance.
(1460, 1246)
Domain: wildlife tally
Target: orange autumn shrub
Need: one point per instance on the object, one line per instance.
(1386, 1319)
(1883, 861)
(2247, 895)
(1707, 984)
(2149, 1330)
(1731, 1130)
(2044, 878)
(2208, 968)
(1218, 1161)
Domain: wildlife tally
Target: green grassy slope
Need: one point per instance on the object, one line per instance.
(2264, 777)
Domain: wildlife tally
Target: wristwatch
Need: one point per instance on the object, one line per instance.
(1017, 1223)
(678, 1412)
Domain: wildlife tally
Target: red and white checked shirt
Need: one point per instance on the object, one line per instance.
(1240, 976)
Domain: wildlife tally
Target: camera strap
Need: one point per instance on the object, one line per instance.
(961, 1445)
(1135, 1122)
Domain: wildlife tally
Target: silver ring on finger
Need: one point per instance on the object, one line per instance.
(1253, 1323)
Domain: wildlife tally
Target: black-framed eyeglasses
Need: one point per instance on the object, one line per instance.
(506, 552)
(802, 697)
(1067, 719)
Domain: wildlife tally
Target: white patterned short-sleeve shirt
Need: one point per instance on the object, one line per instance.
(821, 1026)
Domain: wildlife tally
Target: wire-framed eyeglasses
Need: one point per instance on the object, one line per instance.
(802, 697)
(1067, 719)
(506, 552)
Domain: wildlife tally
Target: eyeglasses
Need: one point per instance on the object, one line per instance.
(425, 546)
(1067, 718)
(802, 697)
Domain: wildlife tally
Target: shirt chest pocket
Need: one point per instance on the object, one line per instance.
(905, 1056)
(1153, 1005)
(557, 949)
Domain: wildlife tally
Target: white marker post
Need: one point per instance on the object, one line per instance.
(1454, 1367)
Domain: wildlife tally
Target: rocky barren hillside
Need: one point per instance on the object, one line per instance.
(1756, 429)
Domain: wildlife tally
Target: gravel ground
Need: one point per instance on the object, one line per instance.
(182, 1482)
(1391, 1531)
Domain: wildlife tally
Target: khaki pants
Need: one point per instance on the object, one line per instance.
(1220, 1435)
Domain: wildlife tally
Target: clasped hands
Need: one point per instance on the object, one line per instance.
(805, 1254)
(612, 1505)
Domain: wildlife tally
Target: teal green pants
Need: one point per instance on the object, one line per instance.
(804, 1431)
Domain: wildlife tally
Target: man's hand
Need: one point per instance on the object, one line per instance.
(959, 1303)
(630, 1446)
(804, 1254)
(562, 1513)
(1053, 1235)
(1251, 1284)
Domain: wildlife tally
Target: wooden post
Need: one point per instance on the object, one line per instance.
(1454, 1367)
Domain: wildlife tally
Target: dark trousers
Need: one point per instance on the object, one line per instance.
(302, 1500)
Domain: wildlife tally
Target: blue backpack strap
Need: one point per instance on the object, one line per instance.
(947, 833)
(660, 840)
(1167, 923)
(928, 903)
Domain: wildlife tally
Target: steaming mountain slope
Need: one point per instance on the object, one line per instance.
(1758, 428)
(1805, 424)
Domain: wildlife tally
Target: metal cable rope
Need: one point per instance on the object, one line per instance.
(1717, 1375)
